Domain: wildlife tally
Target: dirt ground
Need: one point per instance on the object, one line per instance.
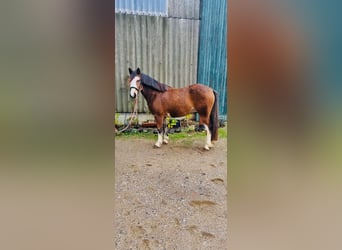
(173, 197)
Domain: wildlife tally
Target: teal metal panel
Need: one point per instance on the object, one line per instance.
(212, 53)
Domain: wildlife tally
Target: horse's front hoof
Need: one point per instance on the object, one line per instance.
(165, 142)
(156, 145)
(206, 147)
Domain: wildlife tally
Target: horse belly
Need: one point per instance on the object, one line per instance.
(180, 110)
(178, 102)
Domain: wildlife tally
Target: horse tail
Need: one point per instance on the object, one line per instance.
(213, 124)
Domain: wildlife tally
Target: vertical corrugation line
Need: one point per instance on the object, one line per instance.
(165, 48)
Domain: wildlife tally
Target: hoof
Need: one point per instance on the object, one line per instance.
(165, 142)
(156, 146)
(206, 147)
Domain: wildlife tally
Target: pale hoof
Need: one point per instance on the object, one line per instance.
(157, 145)
(166, 142)
(206, 147)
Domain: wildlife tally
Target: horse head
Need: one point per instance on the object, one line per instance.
(134, 82)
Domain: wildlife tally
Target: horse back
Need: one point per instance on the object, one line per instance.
(200, 90)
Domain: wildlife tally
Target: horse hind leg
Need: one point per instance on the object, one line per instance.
(208, 143)
(204, 121)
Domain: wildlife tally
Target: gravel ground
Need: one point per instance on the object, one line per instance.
(174, 197)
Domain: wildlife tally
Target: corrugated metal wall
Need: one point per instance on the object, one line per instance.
(142, 7)
(165, 48)
(184, 9)
(212, 55)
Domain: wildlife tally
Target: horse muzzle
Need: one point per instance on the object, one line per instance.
(133, 92)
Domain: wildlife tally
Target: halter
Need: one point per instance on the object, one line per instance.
(137, 88)
(133, 87)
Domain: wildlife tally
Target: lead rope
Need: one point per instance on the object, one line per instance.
(133, 114)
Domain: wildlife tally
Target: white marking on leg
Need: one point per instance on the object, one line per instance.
(165, 137)
(160, 140)
(208, 144)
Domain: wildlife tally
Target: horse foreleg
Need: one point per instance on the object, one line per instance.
(208, 143)
(159, 121)
(165, 134)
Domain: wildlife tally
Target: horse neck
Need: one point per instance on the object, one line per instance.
(149, 94)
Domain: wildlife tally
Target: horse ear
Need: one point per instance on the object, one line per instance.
(138, 71)
(130, 70)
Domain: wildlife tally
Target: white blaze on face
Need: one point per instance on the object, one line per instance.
(134, 87)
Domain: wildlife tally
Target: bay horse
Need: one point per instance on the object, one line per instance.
(164, 101)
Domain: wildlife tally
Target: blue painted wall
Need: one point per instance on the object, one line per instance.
(212, 53)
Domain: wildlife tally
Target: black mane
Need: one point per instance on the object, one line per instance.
(150, 82)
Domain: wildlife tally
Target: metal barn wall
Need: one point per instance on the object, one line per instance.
(189, 9)
(142, 7)
(212, 55)
(165, 48)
